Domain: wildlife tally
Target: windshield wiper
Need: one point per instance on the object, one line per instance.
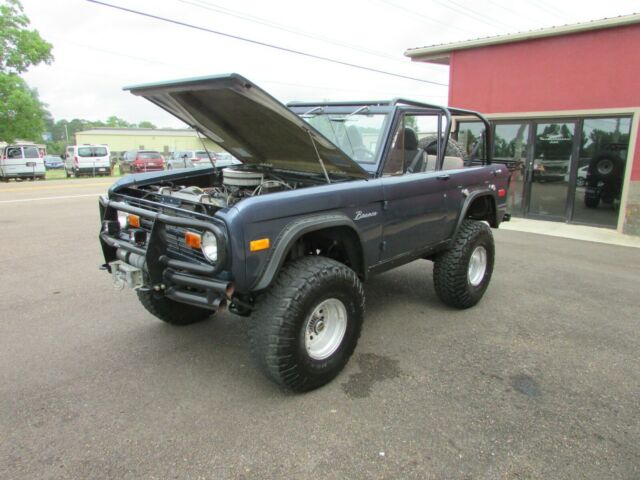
(308, 113)
(355, 112)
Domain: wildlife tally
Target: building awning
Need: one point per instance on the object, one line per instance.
(441, 53)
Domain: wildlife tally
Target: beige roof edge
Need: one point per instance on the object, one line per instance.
(438, 53)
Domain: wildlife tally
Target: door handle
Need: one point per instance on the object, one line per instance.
(444, 176)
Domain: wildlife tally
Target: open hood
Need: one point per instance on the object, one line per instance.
(249, 123)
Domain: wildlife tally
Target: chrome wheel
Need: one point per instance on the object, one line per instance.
(325, 328)
(477, 266)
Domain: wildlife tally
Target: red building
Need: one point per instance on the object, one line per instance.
(565, 108)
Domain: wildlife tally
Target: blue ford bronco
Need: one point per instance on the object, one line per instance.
(327, 195)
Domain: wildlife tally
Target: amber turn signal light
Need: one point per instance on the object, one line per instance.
(133, 220)
(257, 245)
(193, 240)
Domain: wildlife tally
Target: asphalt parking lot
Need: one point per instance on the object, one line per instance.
(540, 380)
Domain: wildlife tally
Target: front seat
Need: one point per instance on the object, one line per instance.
(411, 151)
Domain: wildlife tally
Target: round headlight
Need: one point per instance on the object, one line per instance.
(209, 246)
(122, 219)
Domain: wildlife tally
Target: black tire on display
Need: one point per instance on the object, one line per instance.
(591, 201)
(172, 312)
(307, 324)
(462, 274)
(606, 167)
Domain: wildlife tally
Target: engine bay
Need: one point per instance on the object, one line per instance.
(225, 188)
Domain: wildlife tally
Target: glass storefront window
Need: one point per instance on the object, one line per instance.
(470, 136)
(510, 147)
(601, 167)
(552, 156)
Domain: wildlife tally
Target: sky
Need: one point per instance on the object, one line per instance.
(98, 50)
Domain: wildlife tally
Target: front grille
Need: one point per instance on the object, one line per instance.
(172, 236)
(177, 248)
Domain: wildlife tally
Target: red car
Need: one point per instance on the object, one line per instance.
(136, 161)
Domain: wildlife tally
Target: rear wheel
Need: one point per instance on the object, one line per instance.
(172, 312)
(461, 275)
(307, 325)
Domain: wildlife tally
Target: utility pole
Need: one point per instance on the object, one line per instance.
(66, 133)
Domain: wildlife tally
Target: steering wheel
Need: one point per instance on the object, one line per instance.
(362, 153)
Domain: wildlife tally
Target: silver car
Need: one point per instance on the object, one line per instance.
(199, 158)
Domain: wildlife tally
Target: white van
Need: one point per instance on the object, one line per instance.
(90, 160)
(21, 161)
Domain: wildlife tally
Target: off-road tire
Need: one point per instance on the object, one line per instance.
(450, 268)
(614, 169)
(172, 312)
(591, 201)
(277, 326)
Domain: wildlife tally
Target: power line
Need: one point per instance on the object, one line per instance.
(263, 44)
(506, 9)
(414, 14)
(469, 13)
(550, 10)
(278, 26)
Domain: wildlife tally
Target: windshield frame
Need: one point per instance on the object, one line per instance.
(394, 110)
(334, 110)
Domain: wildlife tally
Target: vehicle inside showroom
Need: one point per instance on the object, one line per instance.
(564, 110)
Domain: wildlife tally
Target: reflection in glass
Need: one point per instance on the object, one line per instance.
(551, 167)
(470, 136)
(603, 155)
(510, 148)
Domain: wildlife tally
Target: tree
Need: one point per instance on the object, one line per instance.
(20, 48)
(146, 124)
(21, 112)
(115, 122)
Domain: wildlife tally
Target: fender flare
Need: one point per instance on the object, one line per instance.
(290, 234)
(484, 192)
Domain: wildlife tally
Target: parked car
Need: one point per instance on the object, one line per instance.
(136, 161)
(21, 162)
(52, 162)
(581, 179)
(289, 236)
(200, 158)
(225, 159)
(189, 159)
(90, 160)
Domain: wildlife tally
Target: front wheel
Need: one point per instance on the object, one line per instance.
(307, 325)
(461, 275)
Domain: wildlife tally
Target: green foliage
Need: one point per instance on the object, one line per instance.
(21, 112)
(20, 47)
(59, 135)
(22, 115)
(115, 122)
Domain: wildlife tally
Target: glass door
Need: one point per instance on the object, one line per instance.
(549, 170)
(511, 147)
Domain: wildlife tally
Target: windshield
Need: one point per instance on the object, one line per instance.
(92, 151)
(359, 135)
(149, 155)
